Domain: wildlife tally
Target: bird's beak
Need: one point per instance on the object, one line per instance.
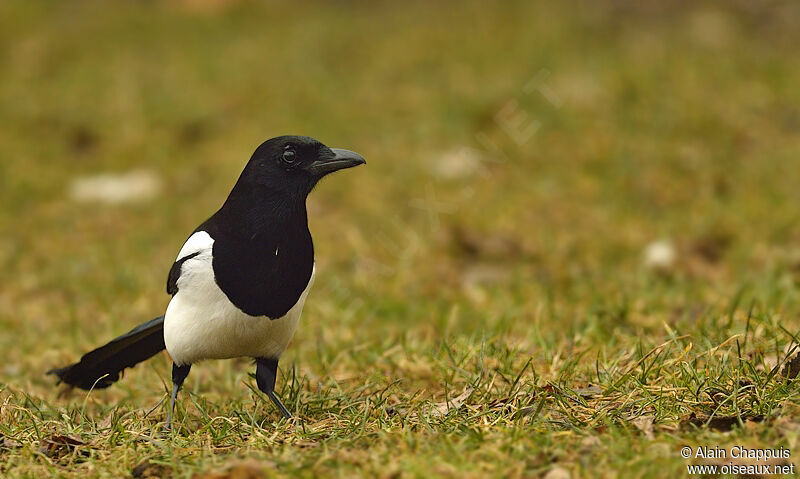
(341, 159)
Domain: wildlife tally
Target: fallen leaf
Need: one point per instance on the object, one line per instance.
(527, 410)
(82, 139)
(148, 470)
(8, 444)
(442, 408)
(711, 247)
(394, 409)
(645, 425)
(58, 446)
(588, 445)
(557, 472)
(510, 401)
(718, 423)
(589, 391)
(495, 246)
(105, 423)
(590, 441)
(482, 273)
(243, 470)
(792, 367)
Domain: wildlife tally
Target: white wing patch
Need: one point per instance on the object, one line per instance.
(196, 243)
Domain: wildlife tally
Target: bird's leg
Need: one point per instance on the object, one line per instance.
(266, 371)
(179, 373)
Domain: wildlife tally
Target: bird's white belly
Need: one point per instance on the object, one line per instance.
(201, 323)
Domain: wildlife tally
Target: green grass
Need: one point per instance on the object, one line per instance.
(521, 281)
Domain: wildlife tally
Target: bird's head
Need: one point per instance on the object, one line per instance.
(293, 165)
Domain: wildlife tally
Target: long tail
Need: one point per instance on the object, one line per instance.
(101, 368)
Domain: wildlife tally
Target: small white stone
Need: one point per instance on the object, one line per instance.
(557, 472)
(130, 187)
(458, 164)
(660, 255)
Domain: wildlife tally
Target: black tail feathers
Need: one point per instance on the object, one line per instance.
(101, 368)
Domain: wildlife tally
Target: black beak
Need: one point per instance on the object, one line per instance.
(341, 159)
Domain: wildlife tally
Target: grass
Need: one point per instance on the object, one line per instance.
(489, 319)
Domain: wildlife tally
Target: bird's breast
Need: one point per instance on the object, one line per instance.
(201, 323)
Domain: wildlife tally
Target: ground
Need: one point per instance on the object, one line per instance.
(575, 248)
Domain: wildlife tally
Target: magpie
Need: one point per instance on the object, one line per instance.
(240, 280)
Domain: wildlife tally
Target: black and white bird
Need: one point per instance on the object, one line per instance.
(239, 282)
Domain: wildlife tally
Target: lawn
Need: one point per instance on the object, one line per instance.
(574, 250)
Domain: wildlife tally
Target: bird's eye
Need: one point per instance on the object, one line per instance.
(289, 155)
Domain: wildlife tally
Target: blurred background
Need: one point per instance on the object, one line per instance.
(556, 172)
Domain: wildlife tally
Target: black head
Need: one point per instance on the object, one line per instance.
(264, 215)
(292, 165)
